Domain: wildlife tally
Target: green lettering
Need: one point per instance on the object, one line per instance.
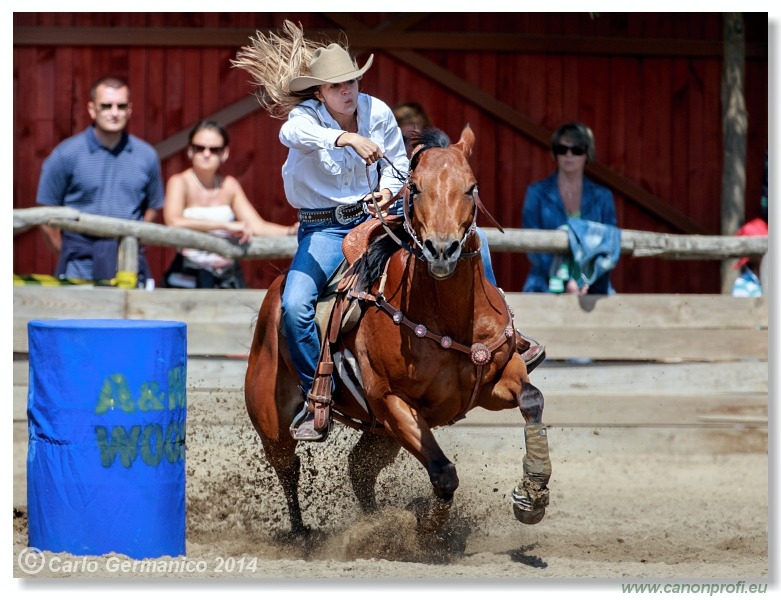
(153, 434)
(125, 445)
(115, 392)
(151, 397)
(173, 440)
(177, 386)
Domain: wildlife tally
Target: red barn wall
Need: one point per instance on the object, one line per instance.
(648, 84)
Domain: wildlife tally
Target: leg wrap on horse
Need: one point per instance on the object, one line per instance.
(531, 496)
(536, 463)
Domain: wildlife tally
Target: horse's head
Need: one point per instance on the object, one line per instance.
(443, 192)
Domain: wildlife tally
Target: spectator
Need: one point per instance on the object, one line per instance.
(200, 198)
(763, 200)
(101, 171)
(333, 131)
(561, 197)
(411, 117)
(748, 284)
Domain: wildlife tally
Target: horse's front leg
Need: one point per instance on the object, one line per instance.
(414, 434)
(368, 457)
(531, 495)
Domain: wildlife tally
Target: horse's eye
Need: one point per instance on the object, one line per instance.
(472, 190)
(413, 189)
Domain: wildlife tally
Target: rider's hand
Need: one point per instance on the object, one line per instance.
(383, 200)
(366, 149)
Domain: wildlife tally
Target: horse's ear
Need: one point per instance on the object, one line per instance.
(467, 141)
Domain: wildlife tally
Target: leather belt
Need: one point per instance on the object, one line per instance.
(342, 214)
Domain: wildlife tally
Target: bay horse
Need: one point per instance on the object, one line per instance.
(435, 339)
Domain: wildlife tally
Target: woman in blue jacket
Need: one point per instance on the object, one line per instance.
(566, 194)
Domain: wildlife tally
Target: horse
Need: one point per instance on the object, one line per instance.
(434, 340)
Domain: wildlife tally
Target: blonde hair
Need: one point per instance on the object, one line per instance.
(273, 60)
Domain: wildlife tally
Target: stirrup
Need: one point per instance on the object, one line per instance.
(303, 429)
(533, 357)
(533, 354)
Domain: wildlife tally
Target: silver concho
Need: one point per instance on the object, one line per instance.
(480, 354)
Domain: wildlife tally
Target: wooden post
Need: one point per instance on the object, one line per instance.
(735, 127)
(127, 262)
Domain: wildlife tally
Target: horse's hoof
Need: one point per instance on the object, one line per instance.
(528, 517)
(529, 501)
(430, 513)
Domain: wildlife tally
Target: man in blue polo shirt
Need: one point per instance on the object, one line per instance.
(101, 171)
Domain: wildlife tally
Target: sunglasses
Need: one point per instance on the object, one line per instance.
(561, 150)
(106, 106)
(212, 149)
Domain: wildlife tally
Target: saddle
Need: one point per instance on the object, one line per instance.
(337, 313)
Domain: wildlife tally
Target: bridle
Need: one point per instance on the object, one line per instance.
(479, 354)
(408, 193)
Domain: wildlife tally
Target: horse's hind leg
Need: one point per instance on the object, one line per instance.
(287, 465)
(531, 496)
(368, 457)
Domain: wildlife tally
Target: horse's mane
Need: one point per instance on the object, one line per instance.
(372, 263)
(424, 139)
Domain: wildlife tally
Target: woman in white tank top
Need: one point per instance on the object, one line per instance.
(202, 199)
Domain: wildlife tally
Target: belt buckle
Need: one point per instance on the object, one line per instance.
(341, 216)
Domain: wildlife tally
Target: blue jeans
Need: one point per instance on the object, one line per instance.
(485, 254)
(317, 258)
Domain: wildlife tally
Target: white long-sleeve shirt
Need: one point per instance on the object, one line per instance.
(317, 174)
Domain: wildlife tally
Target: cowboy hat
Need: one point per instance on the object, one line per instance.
(331, 64)
(753, 227)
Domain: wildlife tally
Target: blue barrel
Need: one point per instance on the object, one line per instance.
(106, 412)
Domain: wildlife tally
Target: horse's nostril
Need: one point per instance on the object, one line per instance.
(441, 249)
(451, 250)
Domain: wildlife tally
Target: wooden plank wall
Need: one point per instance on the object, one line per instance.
(647, 83)
(660, 327)
(658, 360)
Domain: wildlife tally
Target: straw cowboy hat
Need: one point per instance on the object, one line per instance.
(331, 64)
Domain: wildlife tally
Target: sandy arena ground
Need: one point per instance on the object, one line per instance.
(627, 505)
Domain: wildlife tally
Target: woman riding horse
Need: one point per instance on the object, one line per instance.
(435, 338)
(333, 132)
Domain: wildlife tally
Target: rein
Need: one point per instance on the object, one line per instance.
(378, 212)
(408, 193)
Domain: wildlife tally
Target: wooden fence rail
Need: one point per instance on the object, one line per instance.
(633, 243)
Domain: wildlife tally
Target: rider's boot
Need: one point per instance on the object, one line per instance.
(531, 352)
(313, 422)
